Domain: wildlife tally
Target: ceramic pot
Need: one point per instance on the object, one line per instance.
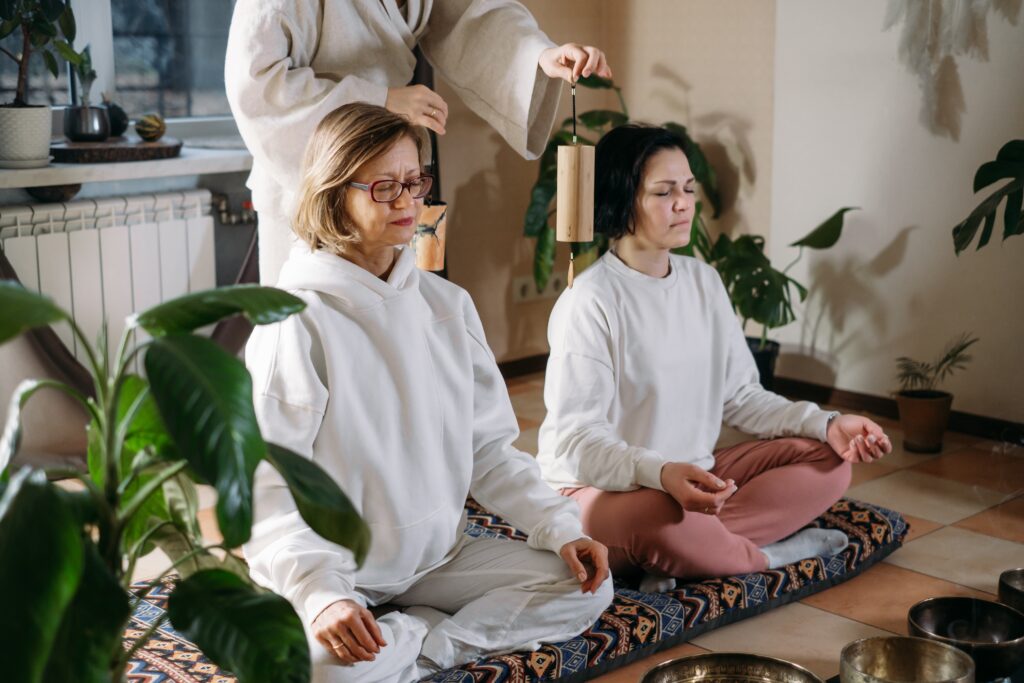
(25, 136)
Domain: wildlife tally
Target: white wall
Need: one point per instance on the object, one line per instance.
(848, 132)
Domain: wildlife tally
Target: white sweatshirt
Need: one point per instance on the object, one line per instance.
(291, 62)
(391, 388)
(643, 371)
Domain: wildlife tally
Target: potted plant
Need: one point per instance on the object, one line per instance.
(85, 123)
(44, 24)
(924, 410)
(758, 291)
(66, 555)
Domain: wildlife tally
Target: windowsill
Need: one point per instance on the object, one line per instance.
(191, 161)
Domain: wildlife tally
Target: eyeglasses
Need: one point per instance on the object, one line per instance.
(384, 191)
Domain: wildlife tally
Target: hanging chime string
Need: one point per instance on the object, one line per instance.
(572, 264)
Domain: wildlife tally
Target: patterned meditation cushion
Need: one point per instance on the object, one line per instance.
(635, 626)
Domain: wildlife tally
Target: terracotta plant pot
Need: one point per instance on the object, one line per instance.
(924, 414)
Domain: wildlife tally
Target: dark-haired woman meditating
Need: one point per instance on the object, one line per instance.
(647, 360)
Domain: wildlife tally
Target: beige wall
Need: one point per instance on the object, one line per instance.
(848, 132)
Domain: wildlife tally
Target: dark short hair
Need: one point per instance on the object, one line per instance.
(620, 158)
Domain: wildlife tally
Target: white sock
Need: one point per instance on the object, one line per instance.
(655, 583)
(805, 543)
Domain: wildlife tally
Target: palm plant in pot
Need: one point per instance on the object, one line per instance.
(46, 27)
(67, 554)
(923, 408)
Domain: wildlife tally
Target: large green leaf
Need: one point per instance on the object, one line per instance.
(322, 504)
(544, 257)
(255, 635)
(826, 234)
(596, 82)
(597, 119)
(52, 9)
(261, 305)
(10, 440)
(7, 10)
(92, 628)
(51, 62)
(24, 310)
(963, 234)
(67, 52)
(7, 26)
(1011, 151)
(68, 28)
(40, 568)
(146, 429)
(204, 395)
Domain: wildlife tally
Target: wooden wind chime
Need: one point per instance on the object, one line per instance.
(574, 206)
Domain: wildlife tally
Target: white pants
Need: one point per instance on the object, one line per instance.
(494, 596)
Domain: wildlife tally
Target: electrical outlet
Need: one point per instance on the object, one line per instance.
(524, 289)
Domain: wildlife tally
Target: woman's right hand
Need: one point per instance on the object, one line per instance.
(421, 105)
(349, 630)
(695, 489)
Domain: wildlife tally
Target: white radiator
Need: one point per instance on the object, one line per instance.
(107, 258)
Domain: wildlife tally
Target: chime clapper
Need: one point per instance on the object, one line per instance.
(574, 206)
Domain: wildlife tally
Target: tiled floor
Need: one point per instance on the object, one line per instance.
(966, 509)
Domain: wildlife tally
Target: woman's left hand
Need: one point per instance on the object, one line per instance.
(588, 560)
(572, 60)
(857, 439)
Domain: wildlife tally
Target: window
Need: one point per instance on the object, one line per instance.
(169, 56)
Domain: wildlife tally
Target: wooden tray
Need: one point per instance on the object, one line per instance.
(114, 149)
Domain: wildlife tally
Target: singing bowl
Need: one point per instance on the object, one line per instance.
(728, 667)
(1011, 588)
(991, 633)
(898, 659)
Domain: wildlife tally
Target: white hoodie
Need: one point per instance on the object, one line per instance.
(392, 389)
(644, 370)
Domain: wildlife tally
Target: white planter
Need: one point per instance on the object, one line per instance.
(25, 136)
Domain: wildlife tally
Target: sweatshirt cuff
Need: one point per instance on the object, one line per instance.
(316, 599)
(648, 470)
(816, 426)
(565, 528)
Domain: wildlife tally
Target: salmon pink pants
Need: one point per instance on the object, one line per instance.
(783, 485)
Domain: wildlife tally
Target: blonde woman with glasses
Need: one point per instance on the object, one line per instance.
(385, 380)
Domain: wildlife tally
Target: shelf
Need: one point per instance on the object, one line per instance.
(191, 161)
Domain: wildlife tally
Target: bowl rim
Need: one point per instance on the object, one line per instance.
(957, 652)
(965, 643)
(751, 655)
(1008, 572)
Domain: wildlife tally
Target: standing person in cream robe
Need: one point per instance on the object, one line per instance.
(291, 62)
(385, 380)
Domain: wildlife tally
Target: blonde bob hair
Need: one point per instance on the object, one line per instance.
(347, 138)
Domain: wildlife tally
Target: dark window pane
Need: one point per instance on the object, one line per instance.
(169, 56)
(43, 88)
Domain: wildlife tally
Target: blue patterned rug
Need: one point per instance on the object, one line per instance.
(635, 626)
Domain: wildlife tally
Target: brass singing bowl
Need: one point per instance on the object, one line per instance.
(991, 633)
(899, 659)
(728, 667)
(1011, 588)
